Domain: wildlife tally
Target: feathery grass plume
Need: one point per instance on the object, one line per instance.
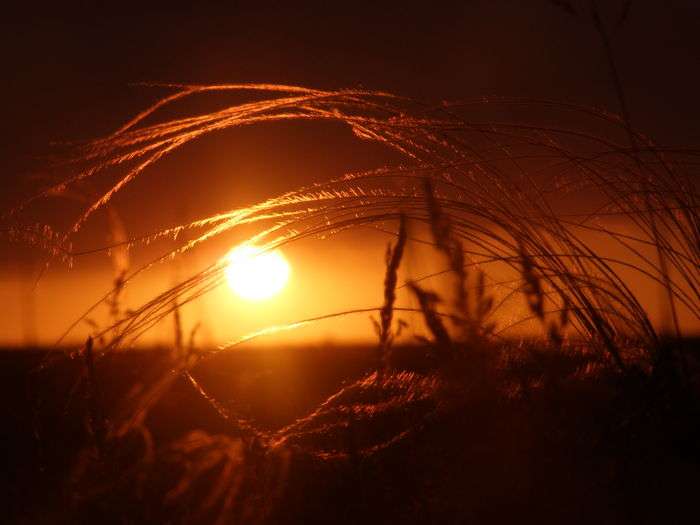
(470, 316)
(386, 314)
(557, 327)
(532, 287)
(483, 306)
(596, 319)
(448, 244)
(428, 301)
(119, 255)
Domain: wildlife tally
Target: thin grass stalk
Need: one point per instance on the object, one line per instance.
(393, 261)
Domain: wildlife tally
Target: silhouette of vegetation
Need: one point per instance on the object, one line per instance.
(595, 419)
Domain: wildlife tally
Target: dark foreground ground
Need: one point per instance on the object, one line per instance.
(530, 437)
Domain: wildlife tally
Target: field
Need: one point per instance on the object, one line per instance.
(543, 370)
(522, 433)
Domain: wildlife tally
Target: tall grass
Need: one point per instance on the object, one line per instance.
(504, 188)
(519, 210)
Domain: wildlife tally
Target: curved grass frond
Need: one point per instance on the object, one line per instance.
(527, 203)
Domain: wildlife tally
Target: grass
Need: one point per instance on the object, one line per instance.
(517, 430)
(603, 392)
(497, 183)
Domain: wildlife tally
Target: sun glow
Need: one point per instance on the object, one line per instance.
(256, 275)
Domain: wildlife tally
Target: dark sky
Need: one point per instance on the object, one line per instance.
(70, 68)
(67, 67)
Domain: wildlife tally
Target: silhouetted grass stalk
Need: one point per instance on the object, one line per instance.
(386, 314)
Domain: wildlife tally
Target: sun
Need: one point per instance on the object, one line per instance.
(256, 275)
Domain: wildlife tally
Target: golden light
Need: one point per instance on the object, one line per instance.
(256, 275)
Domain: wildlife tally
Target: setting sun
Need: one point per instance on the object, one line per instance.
(256, 275)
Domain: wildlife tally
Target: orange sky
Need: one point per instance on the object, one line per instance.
(330, 275)
(71, 77)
